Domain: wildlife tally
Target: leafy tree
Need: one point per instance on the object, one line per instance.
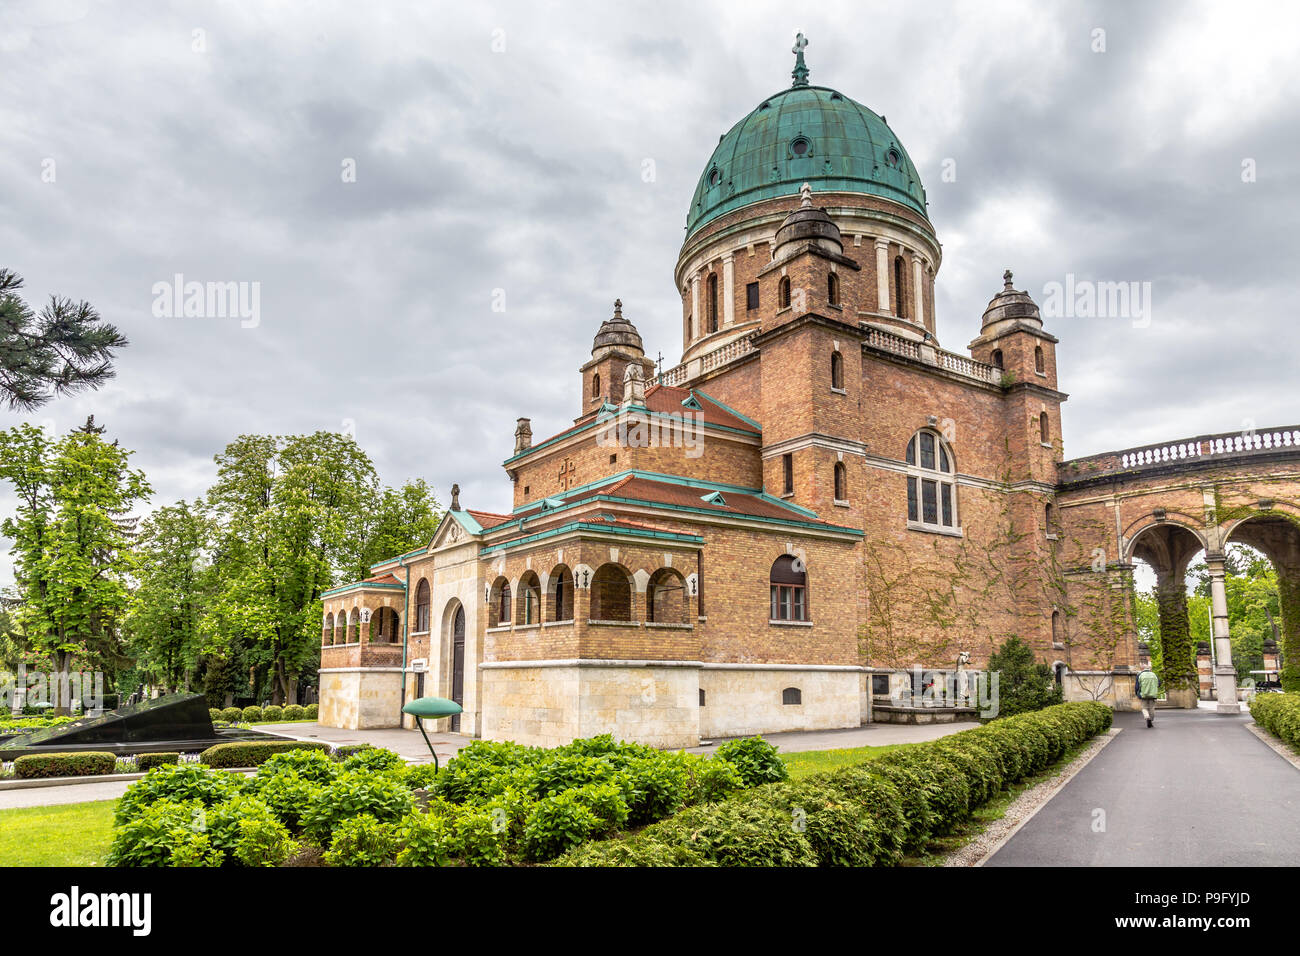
(65, 348)
(72, 542)
(1024, 682)
(171, 596)
(404, 519)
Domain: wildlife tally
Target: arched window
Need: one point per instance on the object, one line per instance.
(595, 385)
(666, 598)
(383, 626)
(837, 370)
(1058, 636)
(499, 603)
(422, 606)
(713, 301)
(832, 288)
(1047, 517)
(792, 695)
(900, 286)
(530, 599)
(611, 594)
(341, 628)
(327, 632)
(561, 588)
(841, 482)
(789, 590)
(1038, 359)
(997, 358)
(931, 491)
(783, 293)
(1044, 432)
(354, 626)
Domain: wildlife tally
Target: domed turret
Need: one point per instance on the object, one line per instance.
(616, 347)
(807, 224)
(1009, 307)
(617, 333)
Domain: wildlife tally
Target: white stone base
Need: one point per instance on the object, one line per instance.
(746, 699)
(359, 698)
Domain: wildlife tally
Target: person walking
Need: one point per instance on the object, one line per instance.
(1147, 687)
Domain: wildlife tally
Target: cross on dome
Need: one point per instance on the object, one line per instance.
(800, 72)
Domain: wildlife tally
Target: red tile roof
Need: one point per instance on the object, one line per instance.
(488, 519)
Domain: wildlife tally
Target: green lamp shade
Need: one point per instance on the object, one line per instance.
(432, 707)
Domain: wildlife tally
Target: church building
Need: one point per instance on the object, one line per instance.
(771, 534)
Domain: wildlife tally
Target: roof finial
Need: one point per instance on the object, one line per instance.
(800, 73)
(805, 196)
(455, 497)
(618, 308)
(1006, 279)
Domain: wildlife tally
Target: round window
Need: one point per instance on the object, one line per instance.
(891, 158)
(715, 177)
(799, 147)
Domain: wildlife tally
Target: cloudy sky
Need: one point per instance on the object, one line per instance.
(498, 152)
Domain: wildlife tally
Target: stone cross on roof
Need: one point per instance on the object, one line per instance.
(1006, 280)
(800, 72)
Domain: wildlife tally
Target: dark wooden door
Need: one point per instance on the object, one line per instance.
(458, 663)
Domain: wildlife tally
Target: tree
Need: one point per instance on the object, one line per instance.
(172, 594)
(1024, 682)
(65, 348)
(404, 519)
(72, 539)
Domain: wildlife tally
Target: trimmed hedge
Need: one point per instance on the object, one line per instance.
(864, 815)
(1279, 714)
(84, 764)
(251, 715)
(251, 753)
(273, 713)
(311, 712)
(146, 762)
(294, 712)
(232, 715)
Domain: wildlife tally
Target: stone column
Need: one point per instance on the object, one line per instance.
(1225, 675)
(882, 275)
(695, 307)
(729, 290)
(918, 289)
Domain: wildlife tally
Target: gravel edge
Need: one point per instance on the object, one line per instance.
(1277, 746)
(1021, 810)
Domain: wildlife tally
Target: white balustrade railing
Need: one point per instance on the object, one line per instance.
(1228, 443)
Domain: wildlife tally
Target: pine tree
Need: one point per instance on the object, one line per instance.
(65, 348)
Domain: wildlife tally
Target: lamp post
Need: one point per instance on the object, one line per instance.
(433, 708)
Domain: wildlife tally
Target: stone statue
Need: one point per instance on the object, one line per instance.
(963, 678)
(633, 384)
(455, 497)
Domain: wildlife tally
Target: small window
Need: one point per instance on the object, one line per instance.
(595, 385)
(832, 288)
(701, 696)
(837, 370)
(751, 297)
(715, 176)
(800, 146)
(787, 474)
(712, 301)
(1044, 433)
(613, 459)
(783, 296)
(997, 358)
(422, 606)
(892, 158)
(1047, 517)
(792, 695)
(1038, 359)
(900, 286)
(503, 611)
(841, 482)
(880, 685)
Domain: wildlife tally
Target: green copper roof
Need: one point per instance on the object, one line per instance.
(807, 134)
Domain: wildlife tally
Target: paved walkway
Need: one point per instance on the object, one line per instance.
(411, 745)
(1195, 790)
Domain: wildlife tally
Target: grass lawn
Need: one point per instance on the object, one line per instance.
(70, 834)
(809, 762)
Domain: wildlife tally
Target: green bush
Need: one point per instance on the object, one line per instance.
(737, 833)
(232, 715)
(362, 841)
(919, 817)
(425, 839)
(1024, 683)
(352, 794)
(221, 821)
(347, 750)
(85, 764)
(709, 780)
(178, 783)
(839, 833)
(293, 712)
(1279, 714)
(311, 712)
(419, 776)
(653, 787)
(480, 838)
(314, 765)
(273, 713)
(263, 842)
(632, 851)
(214, 714)
(374, 758)
(559, 822)
(947, 789)
(165, 833)
(250, 715)
(756, 760)
(251, 753)
(880, 805)
(288, 795)
(145, 762)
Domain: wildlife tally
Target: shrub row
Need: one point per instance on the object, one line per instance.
(144, 762)
(1279, 714)
(252, 753)
(272, 713)
(86, 764)
(869, 814)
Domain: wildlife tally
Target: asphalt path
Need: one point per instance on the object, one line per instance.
(1198, 789)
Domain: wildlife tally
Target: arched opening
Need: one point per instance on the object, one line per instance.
(384, 626)
(1044, 429)
(783, 293)
(712, 301)
(1169, 620)
(422, 607)
(791, 695)
(327, 631)
(1261, 583)
(611, 594)
(997, 358)
(788, 594)
(900, 286)
(341, 628)
(1058, 633)
(595, 385)
(560, 594)
(354, 626)
(499, 606)
(529, 601)
(666, 598)
(1049, 522)
(931, 485)
(837, 370)
(456, 639)
(1038, 359)
(832, 288)
(841, 482)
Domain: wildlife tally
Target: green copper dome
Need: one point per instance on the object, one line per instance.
(809, 134)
